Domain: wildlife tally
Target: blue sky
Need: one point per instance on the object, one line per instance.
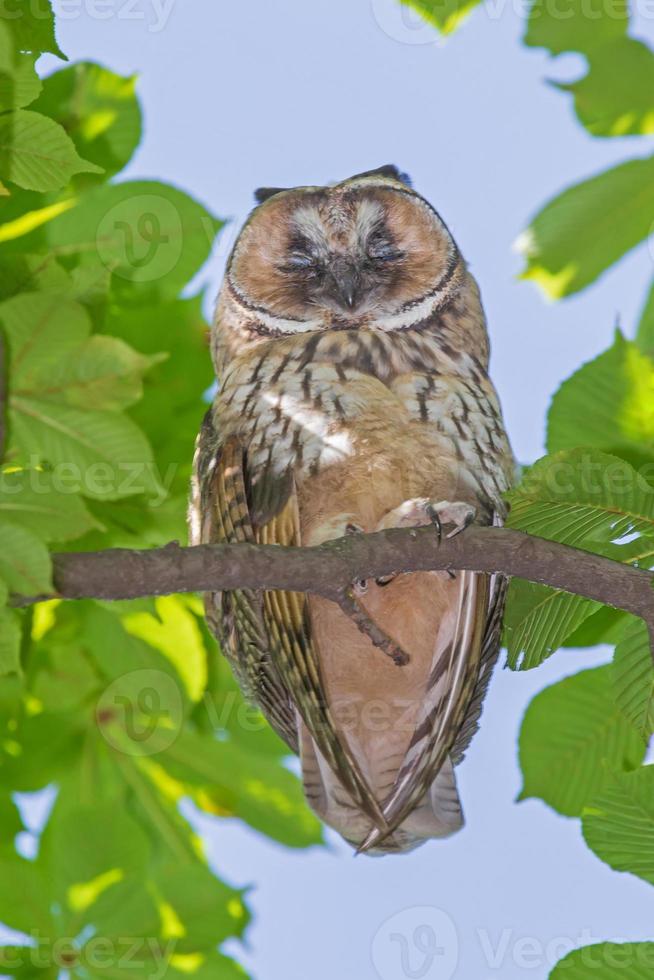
(242, 94)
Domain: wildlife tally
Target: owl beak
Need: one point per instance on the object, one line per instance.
(346, 279)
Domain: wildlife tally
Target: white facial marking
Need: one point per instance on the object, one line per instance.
(368, 216)
(308, 223)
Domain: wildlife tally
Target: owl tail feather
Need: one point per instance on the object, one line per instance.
(438, 814)
(429, 753)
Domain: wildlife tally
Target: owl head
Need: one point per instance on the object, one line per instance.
(366, 251)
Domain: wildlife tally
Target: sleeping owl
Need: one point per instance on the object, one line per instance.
(351, 353)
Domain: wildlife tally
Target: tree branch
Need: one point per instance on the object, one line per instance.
(329, 570)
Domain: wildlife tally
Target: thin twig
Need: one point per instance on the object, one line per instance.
(354, 610)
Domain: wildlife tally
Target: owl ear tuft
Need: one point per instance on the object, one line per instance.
(388, 170)
(263, 193)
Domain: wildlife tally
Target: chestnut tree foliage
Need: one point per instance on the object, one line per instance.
(120, 710)
(583, 740)
(113, 714)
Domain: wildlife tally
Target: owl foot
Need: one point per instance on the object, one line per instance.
(458, 514)
(420, 512)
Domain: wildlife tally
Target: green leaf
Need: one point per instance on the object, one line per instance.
(126, 908)
(205, 910)
(230, 715)
(36, 153)
(139, 522)
(32, 24)
(96, 778)
(91, 282)
(19, 83)
(607, 961)
(604, 626)
(31, 273)
(9, 642)
(27, 963)
(67, 680)
(633, 678)
(211, 966)
(33, 499)
(175, 632)
(21, 964)
(645, 335)
(103, 374)
(41, 328)
(88, 848)
(155, 804)
(172, 410)
(12, 691)
(133, 711)
(586, 499)
(99, 454)
(619, 824)
(63, 386)
(445, 15)
(18, 961)
(144, 686)
(569, 730)
(99, 111)
(575, 25)
(539, 620)
(24, 897)
(47, 746)
(10, 824)
(608, 402)
(616, 97)
(575, 237)
(236, 783)
(24, 560)
(145, 232)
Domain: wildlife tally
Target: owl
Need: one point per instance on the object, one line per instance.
(351, 353)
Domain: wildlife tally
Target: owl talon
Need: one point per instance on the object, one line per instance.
(460, 515)
(432, 513)
(420, 511)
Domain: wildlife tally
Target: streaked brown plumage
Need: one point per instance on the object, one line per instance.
(351, 352)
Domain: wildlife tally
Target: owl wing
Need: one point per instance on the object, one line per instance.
(219, 514)
(468, 415)
(474, 423)
(266, 635)
(490, 648)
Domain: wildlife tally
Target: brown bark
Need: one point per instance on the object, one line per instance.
(329, 569)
